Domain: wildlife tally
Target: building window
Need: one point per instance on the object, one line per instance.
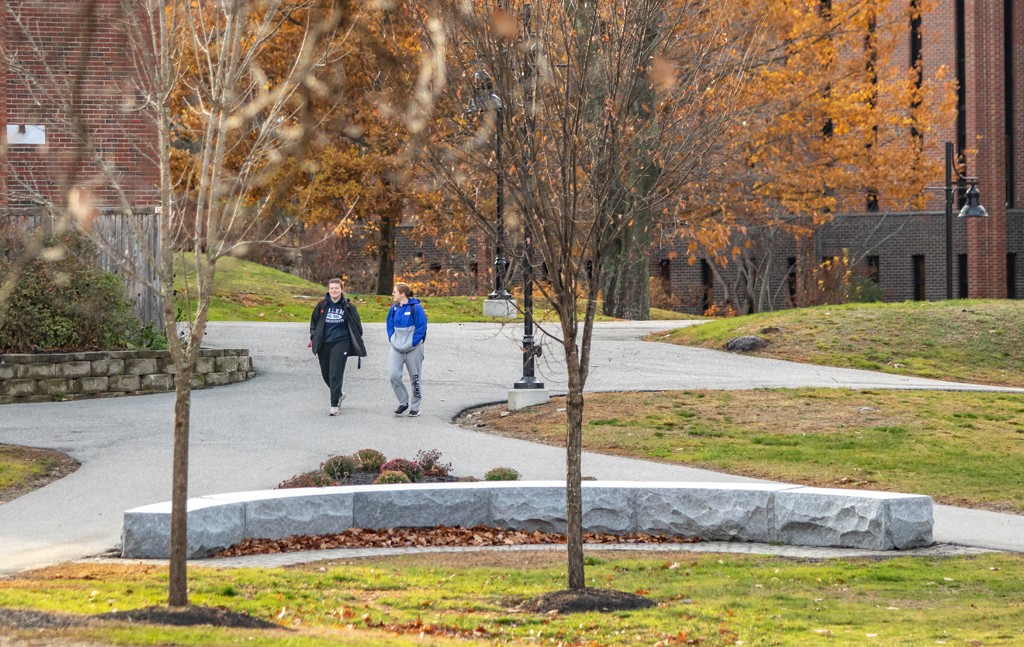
(665, 273)
(919, 283)
(791, 279)
(707, 296)
(1011, 276)
(873, 269)
(961, 77)
(961, 275)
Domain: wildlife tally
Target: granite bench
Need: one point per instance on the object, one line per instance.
(769, 513)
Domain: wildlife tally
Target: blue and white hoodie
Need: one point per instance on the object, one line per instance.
(407, 325)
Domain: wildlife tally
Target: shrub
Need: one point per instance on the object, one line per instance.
(309, 479)
(411, 469)
(64, 301)
(369, 460)
(392, 476)
(339, 468)
(502, 474)
(429, 460)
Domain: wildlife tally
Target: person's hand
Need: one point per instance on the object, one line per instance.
(310, 344)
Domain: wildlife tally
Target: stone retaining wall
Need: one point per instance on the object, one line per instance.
(788, 514)
(45, 377)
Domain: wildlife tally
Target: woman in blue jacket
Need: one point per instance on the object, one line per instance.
(407, 331)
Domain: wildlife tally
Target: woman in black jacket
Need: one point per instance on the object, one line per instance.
(335, 332)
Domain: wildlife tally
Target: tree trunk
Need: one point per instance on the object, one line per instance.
(178, 584)
(626, 288)
(386, 254)
(573, 475)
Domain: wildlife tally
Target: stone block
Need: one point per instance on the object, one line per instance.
(140, 366)
(235, 377)
(204, 364)
(307, 511)
(500, 308)
(607, 509)
(226, 364)
(125, 383)
(107, 366)
(423, 505)
(212, 526)
(6, 371)
(522, 398)
(851, 518)
(18, 388)
(537, 506)
(35, 371)
(90, 384)
(198, 381)
(216, 379)
(55, 386)
(713, 512)
(157, 382)
(74, 369)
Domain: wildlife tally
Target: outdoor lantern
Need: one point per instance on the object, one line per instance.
(973, 208)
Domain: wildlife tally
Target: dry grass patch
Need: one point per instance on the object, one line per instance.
(961, 448)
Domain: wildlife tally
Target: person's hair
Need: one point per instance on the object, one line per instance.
(333, 281)
(404, 288)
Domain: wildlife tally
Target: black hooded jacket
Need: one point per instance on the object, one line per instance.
(355, 327)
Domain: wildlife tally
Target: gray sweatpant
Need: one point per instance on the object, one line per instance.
(413, 362)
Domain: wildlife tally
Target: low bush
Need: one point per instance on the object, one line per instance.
(339, 468)
(430, 461)
(502, 474)
(309, 479)
(369, 460)
(392, 476)
(411, 469)
(64, 301)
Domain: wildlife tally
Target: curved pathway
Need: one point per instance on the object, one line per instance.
(253, 435)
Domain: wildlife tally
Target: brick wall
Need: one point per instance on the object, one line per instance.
(38, 91)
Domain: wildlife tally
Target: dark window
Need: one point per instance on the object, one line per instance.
(665, 272)
(1011, 276)
(961, 77)
(919, 284)
(873, 269)
(707, 296)
(474, 268)
(872, 202)
(961, 275)
(791, 278)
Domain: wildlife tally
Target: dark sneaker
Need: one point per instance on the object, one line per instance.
(402, 408)
(334, 411)
(414, 413)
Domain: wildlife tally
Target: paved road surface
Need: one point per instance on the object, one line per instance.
(256, 434)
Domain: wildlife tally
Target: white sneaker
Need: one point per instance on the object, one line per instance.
(334, 411)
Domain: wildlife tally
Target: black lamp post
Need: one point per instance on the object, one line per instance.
(486, 98)
(972, 209)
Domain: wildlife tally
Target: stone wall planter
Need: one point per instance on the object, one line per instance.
(788, 514)
(45, 377)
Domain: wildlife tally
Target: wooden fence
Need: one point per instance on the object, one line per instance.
(126, 245)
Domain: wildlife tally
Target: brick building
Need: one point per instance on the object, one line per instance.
(982, 43)
(62, 60)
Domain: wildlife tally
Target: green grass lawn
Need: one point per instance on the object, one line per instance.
(964, 341)
(246, 291)
(703, 599)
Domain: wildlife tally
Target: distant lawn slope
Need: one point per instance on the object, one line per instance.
(247, 291)
(978, 341)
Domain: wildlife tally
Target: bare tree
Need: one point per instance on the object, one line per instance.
(612, 109)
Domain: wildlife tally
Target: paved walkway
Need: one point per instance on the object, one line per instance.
(254, 435)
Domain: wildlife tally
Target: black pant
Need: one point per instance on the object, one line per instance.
(333, 356)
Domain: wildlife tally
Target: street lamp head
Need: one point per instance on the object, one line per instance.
(973, 208)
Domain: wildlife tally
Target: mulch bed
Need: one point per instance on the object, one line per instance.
(479, 536)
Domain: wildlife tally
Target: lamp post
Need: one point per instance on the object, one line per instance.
(972, 209)
(486, 98)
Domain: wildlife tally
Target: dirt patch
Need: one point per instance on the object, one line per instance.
(58, 464)
(190, 616)
(586, 600)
